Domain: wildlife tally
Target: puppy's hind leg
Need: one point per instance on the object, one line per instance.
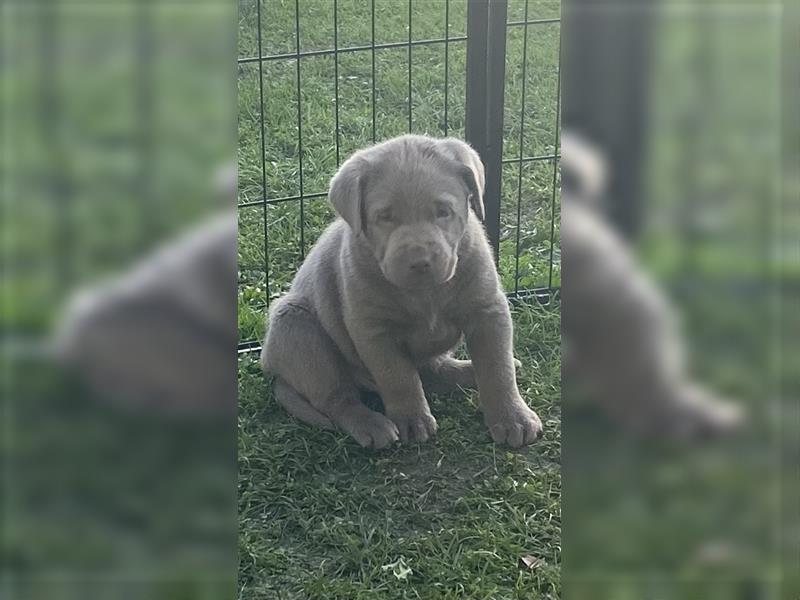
(445, 374)
(299, 407)
(313, 381)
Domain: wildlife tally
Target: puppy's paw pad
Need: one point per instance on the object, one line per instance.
(415, 427)
(517, 426)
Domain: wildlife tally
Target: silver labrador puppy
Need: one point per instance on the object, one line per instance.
(388, 291)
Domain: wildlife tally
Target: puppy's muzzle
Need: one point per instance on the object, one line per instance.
(418, 265)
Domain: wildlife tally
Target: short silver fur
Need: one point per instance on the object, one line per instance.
(386, 294)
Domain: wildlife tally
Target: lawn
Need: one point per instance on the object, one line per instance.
(322, 518)
(319, 516)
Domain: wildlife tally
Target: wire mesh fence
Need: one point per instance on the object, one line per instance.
(319, 79)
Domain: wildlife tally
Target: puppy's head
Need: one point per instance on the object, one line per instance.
(409, 199)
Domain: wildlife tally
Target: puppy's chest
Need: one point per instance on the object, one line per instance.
(429, 332)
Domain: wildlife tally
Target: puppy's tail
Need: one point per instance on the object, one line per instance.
(299, 407)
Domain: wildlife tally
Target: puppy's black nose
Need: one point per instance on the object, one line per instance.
(420, 266)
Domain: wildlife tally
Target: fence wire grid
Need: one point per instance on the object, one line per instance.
(319, 79)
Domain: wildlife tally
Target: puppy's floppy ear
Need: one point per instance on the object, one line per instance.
(473, 171)
(346, 192)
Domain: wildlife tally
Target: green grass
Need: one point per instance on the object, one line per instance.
(322, 518)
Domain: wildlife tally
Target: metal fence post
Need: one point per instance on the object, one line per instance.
(486, 66)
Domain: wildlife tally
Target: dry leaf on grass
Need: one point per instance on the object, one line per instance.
(529, 562)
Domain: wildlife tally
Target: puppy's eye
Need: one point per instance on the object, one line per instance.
(443, 212)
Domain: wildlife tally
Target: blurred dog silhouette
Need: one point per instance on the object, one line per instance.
(621, 339)
(162, 334)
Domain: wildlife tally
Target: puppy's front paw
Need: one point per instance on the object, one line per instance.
(513, 424)
(369, 428)
(414, 427)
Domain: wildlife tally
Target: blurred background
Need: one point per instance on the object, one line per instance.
(117, 116)
(684, 101)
